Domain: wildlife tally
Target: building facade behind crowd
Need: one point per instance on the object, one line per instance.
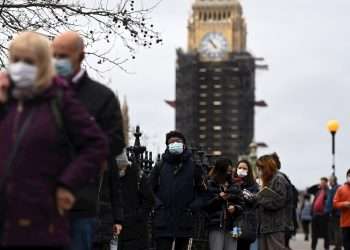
(215, 85)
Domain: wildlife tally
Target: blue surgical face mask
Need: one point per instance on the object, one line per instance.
(176, 148)
(64, 67)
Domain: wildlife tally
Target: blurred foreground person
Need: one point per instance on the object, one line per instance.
(273, 217)
(103, 106)
(38, 175)
(224, 205)
(138, 203)
(342, 202)
(177, 185)
(334, 230)
(244, 177)
(319, 222)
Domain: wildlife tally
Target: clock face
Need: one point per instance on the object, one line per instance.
(213, 46)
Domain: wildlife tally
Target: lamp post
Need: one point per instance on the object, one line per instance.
(333, 126)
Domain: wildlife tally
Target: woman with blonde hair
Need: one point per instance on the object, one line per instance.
(50, 148)
(272, 203)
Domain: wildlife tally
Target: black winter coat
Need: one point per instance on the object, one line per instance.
(104, 107)
(138, 203)
(249, 211)
(216, 207)
(177, 186)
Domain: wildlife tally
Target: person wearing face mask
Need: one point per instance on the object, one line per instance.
(104, 107)
(341, 201)
(178, 189)
(223, 206)
(38, 175)
(244, 177)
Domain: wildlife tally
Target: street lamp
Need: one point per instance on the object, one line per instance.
(333, 126)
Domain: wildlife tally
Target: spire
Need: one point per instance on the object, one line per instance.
(126, 120)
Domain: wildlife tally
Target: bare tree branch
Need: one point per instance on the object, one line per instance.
(100, 24)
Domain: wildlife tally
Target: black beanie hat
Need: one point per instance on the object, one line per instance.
(173, 134)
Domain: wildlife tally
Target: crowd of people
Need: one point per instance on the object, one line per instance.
(66, 181)
(326, 207)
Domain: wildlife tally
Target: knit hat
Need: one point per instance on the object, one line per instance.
(173, 134)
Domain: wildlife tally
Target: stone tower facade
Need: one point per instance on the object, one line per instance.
(215, 80)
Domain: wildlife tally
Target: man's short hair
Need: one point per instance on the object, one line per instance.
(324, 179)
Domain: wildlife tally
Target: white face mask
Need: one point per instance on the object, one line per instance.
(242, 172)
(23, 74)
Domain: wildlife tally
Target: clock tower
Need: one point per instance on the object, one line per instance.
(215, 80)
(215, 28)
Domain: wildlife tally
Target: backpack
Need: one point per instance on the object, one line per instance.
(292, 204)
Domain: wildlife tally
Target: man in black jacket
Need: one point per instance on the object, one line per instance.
(178, 186)
(104, 107)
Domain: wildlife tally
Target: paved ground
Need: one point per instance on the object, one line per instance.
(298, 243)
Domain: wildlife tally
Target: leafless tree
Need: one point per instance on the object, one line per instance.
(104, 24)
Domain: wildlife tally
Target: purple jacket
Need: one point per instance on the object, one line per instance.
(41, 165)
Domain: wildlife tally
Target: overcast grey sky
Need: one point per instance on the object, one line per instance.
(307, 46)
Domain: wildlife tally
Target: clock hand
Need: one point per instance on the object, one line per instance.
(212, 43)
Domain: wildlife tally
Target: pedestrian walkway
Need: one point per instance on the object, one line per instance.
(298, 243)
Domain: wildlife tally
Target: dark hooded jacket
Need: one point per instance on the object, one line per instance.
(178, 189)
